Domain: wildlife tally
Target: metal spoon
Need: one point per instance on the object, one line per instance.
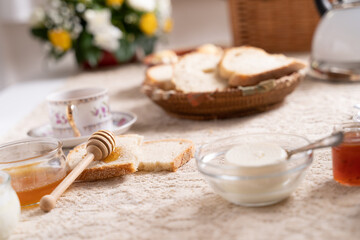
(356, 117)
(329, 141)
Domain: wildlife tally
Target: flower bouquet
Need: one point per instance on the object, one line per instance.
(101, 32)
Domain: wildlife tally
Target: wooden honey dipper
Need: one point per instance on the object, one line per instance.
(100, 145)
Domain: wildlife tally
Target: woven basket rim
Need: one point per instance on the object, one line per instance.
(152, 88)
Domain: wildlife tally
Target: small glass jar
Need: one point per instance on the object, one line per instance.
(9, 207)
(346, 156)
(36, 167)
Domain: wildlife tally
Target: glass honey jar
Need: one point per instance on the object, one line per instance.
(36, 167)
(346, 156)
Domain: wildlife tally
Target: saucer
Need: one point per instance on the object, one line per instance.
(122, 122)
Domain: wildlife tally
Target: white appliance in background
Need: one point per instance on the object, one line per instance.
(335, 52)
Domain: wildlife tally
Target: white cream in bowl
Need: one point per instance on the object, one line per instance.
(263, 165)
(256, 154)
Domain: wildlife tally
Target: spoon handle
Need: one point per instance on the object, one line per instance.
(48, 202)
(329, 141)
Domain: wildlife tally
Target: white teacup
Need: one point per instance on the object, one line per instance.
(79, 112)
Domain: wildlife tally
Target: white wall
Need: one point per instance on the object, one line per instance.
(200, 21)
(22, 57)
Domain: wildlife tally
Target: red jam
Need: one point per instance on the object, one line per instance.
(346, 160)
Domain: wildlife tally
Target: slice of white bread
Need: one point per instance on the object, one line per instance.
(247, 66)
(164, 57)
(128, 152)
(209, 48)
(197, 72)
(160, 76)
(166, 155)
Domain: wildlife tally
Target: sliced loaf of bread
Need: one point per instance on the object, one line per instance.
(132, 155)
(124, 160)
(166, 155)
(197, 72)
(160, 76)
(247, 66)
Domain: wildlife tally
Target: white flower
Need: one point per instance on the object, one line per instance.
(55, 3)
(97, 20)
(142, 5)
(164, 8)
(80, 7)
(106, 36)
(37, 17)
(108, 40)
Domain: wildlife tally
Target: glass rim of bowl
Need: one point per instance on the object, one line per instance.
(200, 160)
(35, 158)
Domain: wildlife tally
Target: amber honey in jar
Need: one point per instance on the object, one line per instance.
(36, 167)
(346, 156)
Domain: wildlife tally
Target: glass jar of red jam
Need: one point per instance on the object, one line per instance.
(346, 156)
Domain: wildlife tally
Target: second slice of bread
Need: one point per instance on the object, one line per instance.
(160, 76)
(247, 66)
(166, 155)
(128, 148)
(197, 72)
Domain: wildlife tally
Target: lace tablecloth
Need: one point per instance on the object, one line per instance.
(181, 205)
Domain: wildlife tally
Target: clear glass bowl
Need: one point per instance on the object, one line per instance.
(36, 167)
(253, 186)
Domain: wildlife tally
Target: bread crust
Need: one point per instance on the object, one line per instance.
(250, 80)
(182, 158)
(237, 79)
(105, 172)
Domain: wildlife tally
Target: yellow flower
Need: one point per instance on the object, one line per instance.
(114, 3)
(60, 39)
(168, 25)
(148, 23)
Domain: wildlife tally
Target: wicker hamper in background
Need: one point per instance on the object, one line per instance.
(275, 25)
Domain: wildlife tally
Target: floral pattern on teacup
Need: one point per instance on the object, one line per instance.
(102, 111)
(60, 119)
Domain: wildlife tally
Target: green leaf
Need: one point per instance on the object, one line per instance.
(93, 56)
(126, 51)
(146, 43)
(41, 33)
(85, 51)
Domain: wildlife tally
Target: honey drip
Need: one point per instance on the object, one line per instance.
(114, 155)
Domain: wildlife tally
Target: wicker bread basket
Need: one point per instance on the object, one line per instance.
(230, 103)
(275, 25)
